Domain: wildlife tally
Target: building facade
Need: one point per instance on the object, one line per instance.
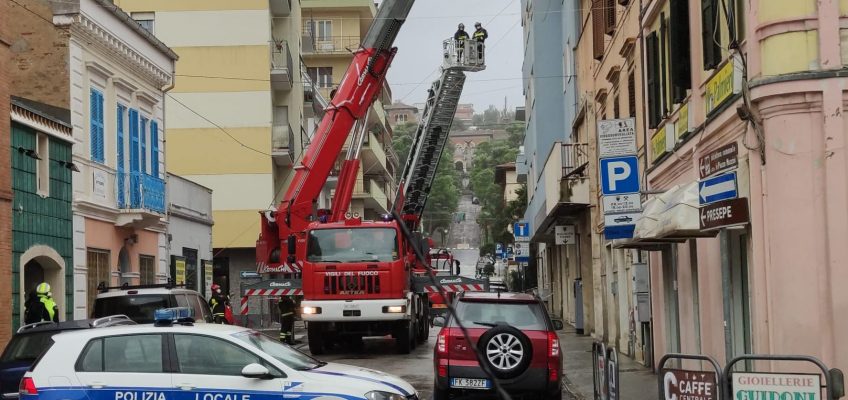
(112, 75)
(5, 176)
(400, 113)
(331, 31)
(42, 227)
(190, 234)
(234, 136)
(757, 87)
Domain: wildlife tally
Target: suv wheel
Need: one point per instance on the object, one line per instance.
(507, 350)
(440, 394)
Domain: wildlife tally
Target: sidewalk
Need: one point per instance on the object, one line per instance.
(636, 381)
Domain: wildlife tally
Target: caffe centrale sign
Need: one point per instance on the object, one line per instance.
(763, 386)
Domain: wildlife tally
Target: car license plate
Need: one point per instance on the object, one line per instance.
(351, 306)
(469, 383)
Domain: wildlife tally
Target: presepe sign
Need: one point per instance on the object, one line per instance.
(679, 384)
(753, 386)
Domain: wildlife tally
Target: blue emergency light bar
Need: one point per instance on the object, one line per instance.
(167, 316)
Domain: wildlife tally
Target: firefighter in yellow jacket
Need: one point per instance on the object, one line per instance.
(42, 307)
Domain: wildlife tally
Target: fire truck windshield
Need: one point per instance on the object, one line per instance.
(352, 245)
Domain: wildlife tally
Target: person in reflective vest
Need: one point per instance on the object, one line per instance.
(41, 307)
(460, 37)
(480, 36)
(218, 303)
(287, 306)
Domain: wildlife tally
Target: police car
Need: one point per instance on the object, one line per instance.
(176, 360)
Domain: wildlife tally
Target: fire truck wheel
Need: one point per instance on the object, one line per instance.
(314, 336)
(404, 337)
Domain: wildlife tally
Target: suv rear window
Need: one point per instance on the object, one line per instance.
(520, 315)
(28, 347)
(139, 308)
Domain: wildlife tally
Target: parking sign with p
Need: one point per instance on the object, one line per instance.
(619, 175)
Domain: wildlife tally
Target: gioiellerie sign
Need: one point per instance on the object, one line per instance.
(755, 386)
(722, 86)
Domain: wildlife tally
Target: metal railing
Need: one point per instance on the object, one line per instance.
(282, 139)
(144, 191)
(575, 158)
(332, 44)
(281, 58)
(466, 54)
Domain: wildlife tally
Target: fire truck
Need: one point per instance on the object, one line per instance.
(360, 278)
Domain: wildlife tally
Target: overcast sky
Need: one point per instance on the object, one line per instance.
(420, 53)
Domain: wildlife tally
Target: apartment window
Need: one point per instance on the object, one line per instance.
(145, 19)
(96, 131)
(609, 16)
(653, 85)
(615, 107)
(679, 54)
(321, 29)
(42, 149)
(631, 93)
(598, 28)
(322, 76)
(710, 33)
(147, 269)
(154, 148)
(97, 262)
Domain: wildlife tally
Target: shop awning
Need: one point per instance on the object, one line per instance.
(679, 216)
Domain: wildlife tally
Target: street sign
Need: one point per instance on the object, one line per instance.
(249, 274)
(565, 234)
(619, 232)
(619, 175)
(622, 203)
(522, 252)
(722, 159)
(521, 229)
(724, 214)
(685, 384)
(621, 219)
(776, 386)
(717, 188)
(616, 137)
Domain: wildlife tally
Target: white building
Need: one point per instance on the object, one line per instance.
(190, 233)
(119, 74)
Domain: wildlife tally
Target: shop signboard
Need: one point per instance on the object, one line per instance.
(722, 86)
(616, 137)
(679, 384)
(565, 234)
(724, 214)
(724, 158)
(747, 385)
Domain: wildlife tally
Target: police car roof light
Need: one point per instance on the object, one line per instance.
(167, 316)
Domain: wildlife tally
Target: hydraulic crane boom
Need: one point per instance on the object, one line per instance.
(357, 91)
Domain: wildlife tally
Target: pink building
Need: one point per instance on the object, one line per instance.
(764, 96)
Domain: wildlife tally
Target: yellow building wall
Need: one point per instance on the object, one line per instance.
(238, 160)
(803, 57)
(775, 10)
(176, 5)
(235, 229)
(197, 64)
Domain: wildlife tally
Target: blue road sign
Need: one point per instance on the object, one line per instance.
(717, 188)
(619, 232)
(521, 229)
(619, 175)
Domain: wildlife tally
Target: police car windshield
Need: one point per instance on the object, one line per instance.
(352, 245)
(285, 354)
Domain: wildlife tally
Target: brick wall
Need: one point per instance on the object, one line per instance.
(40, 54)
(5, 182)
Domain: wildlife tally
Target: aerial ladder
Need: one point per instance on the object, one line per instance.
(358, 278)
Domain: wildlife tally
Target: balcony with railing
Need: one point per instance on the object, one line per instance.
(281, 66)
(280, 8)
(372, 192)
(140, 198)
(330, 45)
(566, 177)
(313, 100)
(282, 144)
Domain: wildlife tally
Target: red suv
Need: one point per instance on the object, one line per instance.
(516, 338)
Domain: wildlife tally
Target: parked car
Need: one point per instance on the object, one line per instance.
(30, 341)
(140, 302)
(175, 358)
(517, 339)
